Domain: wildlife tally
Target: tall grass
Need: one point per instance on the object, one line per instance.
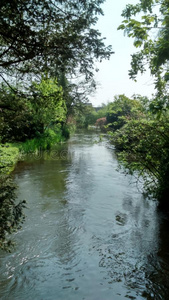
(44, 142)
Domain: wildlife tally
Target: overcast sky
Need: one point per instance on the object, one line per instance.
(113, 74)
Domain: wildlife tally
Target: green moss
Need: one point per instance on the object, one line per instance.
(8, 158)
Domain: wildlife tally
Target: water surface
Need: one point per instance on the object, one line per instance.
(89, 234)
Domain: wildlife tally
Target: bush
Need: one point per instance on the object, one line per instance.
(144, 148)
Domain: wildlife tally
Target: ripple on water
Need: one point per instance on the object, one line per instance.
(88, 233)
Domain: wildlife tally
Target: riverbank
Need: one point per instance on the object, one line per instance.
(84, 220)
(12, 210)
(9, 155)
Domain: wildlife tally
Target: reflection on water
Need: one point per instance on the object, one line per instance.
(89, 234)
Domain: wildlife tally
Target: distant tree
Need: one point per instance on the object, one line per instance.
(75, 94)
(121, 110)
(102, 111)
(101, 122)
(85, 115)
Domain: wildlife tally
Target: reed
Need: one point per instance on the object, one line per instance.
(44, 142)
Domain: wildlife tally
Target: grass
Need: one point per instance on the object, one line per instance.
(8, 158)
(10, 153)
(43, 142)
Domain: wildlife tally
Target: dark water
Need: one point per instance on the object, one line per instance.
(89, 234)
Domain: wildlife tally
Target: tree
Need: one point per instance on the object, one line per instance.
(144, 151)
(144, 143)
(121, 110)
(75, 93)
(47, 104)
(26, 116)
(101, 122)
(102, 111)
(148, 23)
(46, 37)
(39, 36)
(16, 119)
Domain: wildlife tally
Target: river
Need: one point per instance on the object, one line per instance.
(89, 234)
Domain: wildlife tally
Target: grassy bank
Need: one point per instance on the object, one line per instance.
(12, 211)
(43, 142)
(10, 153)
(8, 158)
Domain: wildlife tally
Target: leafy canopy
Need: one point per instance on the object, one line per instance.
(26, 116)
(121, 110)
(148, 23)
(47, 102)
(144, 151)
(45, 35)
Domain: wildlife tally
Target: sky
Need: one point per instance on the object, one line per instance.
(113, 76)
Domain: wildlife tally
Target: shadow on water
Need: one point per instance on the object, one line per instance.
(89, 234)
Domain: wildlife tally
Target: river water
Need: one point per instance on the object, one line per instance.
(89, 234)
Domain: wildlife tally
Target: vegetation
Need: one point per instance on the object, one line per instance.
(11, 211)
(121, 110)
(85, 116)
(92, 116)
(50, 37)
(47, 55)
(27, 117)
(8, 158)
(143, 139)
(144, 149)
(101, 123)
(147, 22)
(44, 47)
(43, 142)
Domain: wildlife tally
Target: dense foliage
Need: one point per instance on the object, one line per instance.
(121, 110)
(39, 42)
(8, 157)
(50, 37)
(92, 116)
(147, 22)
(24, 117)
(142, 140)
(144, 149)
(40, 33)
(44, 47)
